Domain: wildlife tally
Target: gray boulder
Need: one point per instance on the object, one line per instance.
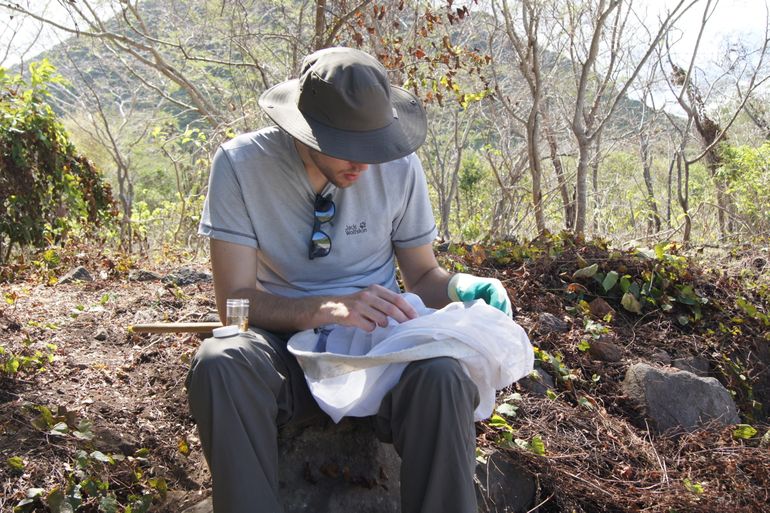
(661, 356)
(332, 468)
(503, 486)
(204, 506)
(676, 399)
(696, 364)
(187, 276)
(549, 323)
(143, 275)
(605, 351)
(79, 273)
(338, 467)
(538, 382)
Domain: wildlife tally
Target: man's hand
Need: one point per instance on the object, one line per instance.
(464, 287)
(368, 308)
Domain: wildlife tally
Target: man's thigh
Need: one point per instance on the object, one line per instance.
(257, 358)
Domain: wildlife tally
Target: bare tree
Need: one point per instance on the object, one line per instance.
(756, 106)
(694, 101)
(445, 156)
(175, 42)
(511, 212)
(604, 69)
(646, 129)
(522, 30)
(525, 70)
(757, 111)
(13, 50)
(108, 116)
(566, 192)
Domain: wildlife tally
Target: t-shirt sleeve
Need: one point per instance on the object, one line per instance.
(224, 214)
(416, 225)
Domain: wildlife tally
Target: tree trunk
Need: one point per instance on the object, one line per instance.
(125, 195)
(567, 199)
(683, 194)
(595, 182)
(444, 207)
(581, 196)
(653, 219)
(535, 168)
(669, 194)
(320, 24)
(713, 163)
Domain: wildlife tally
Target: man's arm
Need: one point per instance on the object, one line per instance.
(423, 276)
(235, 276)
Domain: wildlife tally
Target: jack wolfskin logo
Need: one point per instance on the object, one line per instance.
(355, 229)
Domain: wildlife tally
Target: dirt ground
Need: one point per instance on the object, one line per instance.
(129, 385)
(96, 415)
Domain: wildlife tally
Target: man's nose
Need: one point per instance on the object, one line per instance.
(358, 166)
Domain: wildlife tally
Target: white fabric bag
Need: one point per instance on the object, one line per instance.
(350, 370)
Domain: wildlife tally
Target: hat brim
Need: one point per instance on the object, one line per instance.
(400, 138)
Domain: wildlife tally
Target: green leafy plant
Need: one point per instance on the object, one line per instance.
(508, 406)
(46, 188)
(496, 421)
(584, 345)
(746, 169)
(752, 311)
(744, 432)
(738, 378)
(535, 445)
(87, 486)
(16, 465)
(94, 481)
(61, 423)
(595, 329)
(26, 361)
(696, 488)
(555, 361)
(661, 282)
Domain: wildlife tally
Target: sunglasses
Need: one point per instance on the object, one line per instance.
(323, 212)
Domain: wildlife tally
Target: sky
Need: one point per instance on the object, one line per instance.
(731, 19)
(23, 35)
(730, 22)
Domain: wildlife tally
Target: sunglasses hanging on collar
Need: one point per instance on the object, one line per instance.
(323, 212)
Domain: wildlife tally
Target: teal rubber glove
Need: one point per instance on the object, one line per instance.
(465, 287)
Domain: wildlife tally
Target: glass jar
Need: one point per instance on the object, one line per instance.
(238, 313)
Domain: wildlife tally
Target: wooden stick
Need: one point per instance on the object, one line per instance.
(176, 327)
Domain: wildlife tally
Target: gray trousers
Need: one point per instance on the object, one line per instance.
(242, 389)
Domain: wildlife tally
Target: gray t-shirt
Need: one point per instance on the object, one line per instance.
(260, 196)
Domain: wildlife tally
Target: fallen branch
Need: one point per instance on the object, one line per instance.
(175, 327)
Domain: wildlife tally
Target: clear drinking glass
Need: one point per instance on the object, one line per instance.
(238, 313)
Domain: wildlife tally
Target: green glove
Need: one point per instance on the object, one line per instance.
(465, 287)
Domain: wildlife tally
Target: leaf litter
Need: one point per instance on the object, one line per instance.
(97, 415)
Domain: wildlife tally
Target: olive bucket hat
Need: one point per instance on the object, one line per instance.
(343, 106)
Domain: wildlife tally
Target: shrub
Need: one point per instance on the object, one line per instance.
(46, 187)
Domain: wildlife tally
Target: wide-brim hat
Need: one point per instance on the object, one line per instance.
(343, 106)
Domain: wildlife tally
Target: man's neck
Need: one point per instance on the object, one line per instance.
(314, 175)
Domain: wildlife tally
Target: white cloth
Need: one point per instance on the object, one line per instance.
(350, 370)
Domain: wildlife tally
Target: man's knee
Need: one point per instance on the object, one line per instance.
(228, 359)
(212, 355)
(441, 375)
(210, 352)
(436, 370)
